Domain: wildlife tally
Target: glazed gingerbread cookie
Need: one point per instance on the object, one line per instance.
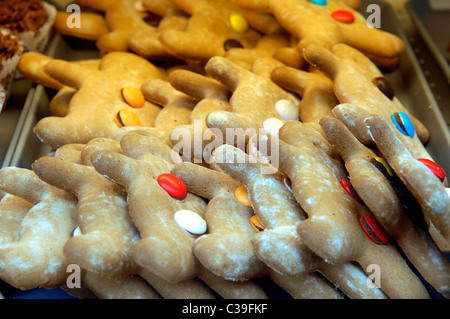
(332, 229)
(358, 83)
(103, 218)
(213, 28)
(276, 231)
(99, 110)
(421, 176)
(328, 23)
(102, 213)
(31, 66)
(248, 89)
(227, 249)
(160, 234)
(194, 141)
(376, 185)
(13, 211)
(33, 256)
(315, 89)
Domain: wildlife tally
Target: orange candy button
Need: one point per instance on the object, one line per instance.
(126, 118)
(256, 224)
(241, 195)
(133, 96)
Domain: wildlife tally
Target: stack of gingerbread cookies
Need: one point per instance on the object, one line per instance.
(217, 142)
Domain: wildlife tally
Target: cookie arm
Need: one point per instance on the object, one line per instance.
(198, 86)
(426, 188)
(322, 59)
(31, 65)
(67, 73)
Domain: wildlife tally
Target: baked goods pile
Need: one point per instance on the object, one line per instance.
(216, 142)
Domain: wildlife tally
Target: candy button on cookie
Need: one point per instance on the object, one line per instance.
(173, 185)
(384, 86)
(238, 23)
(320, 2)
(77, 232)
(191, 222)
(435, 168)
(241, 195)
(403, 123)
(232, 44)
(343, 16)
(288, 183)
(383, 167)
(133, 96)
(345, 183)
(256, 224)
(272, 126)
(373, 230)
(126, 118)
(287, 110)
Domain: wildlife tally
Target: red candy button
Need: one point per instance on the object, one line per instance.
(435, 168)
(373, 230)
(343, 16)
(173, 185)
(345, 183)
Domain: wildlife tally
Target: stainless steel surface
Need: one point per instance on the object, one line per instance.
(12, 118)
(433, 26)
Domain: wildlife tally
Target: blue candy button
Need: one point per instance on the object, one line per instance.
(320, 2)
(403, 123)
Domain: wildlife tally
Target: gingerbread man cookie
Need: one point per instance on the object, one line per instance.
(276, 230)
(321, 24)
(104, 101)
(253, 100)
(35, 258)
(194, 141)
(227, 249)
(315, 89)
(332, 229)
(99, 219)
(359, 83)
(160, 234)
(415, 173)
(380, 195)
(214, 27)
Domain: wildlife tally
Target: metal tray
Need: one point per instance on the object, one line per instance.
(433, 26)
(408, 80)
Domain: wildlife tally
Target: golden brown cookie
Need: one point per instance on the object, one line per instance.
(94, 109)
(378, 187)
(425, 186)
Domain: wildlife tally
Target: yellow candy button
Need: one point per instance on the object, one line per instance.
(241, 195)
(126, 118)
(133, 96)
(256, 224)
(238, 22)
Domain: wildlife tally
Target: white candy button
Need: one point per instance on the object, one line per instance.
(448, 191)
(77, 232)
(272, 126)
(191, 222)
(287, 110)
